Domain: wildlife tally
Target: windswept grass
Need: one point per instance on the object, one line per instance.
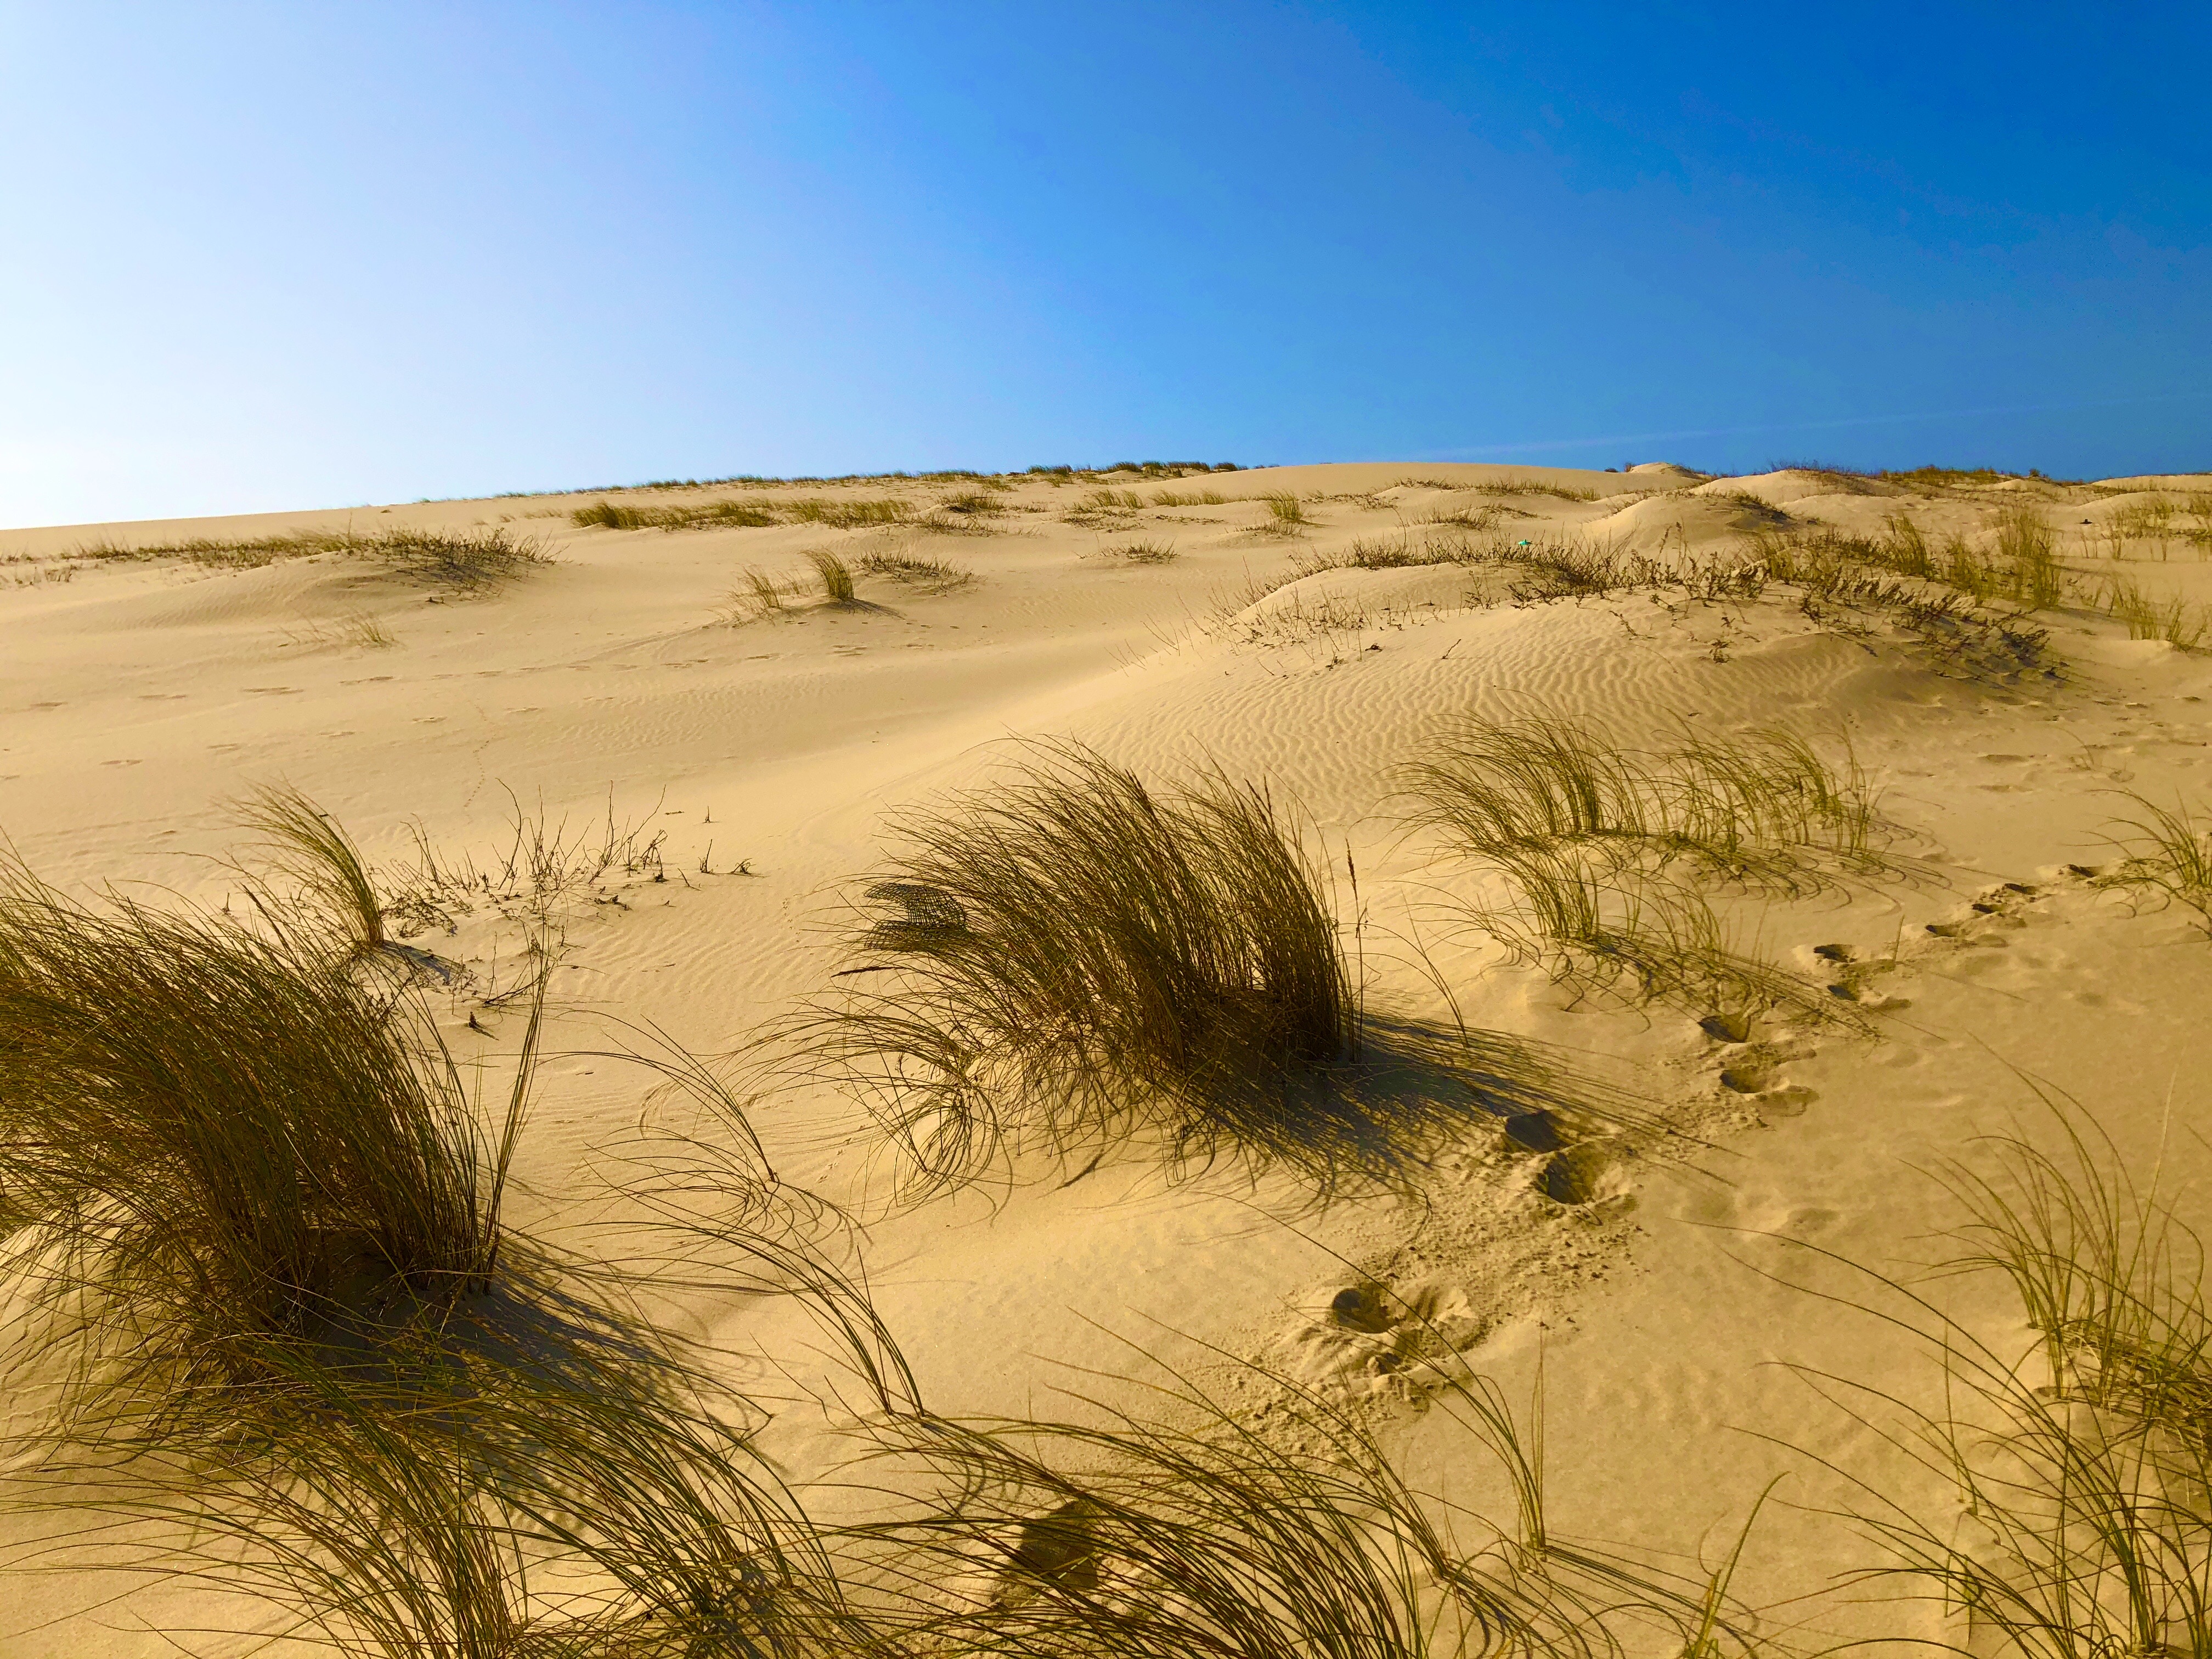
(1072, 951)
(2172, 619)
(1466, 518)
(1586, 834)
(1287, 511)
(1747, 809)
(849, 515)
(1072, 957)
(2024, 542)
(1441, 546)
(1568, 568)
(2168, 851)
(308, 846)
(1141, 552)
(1842, 571)
(1131, 1538)
(529, 1468)
(835, 575)
(973, 503)
(361, 630)
(1528, 487)
(762, 595)
(1190, 498)
(2077, 1463)
(221, 1140)
(1904, 549)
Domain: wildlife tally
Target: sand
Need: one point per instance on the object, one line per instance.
(139, 698)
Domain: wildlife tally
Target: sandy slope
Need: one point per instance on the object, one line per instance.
(137, 697)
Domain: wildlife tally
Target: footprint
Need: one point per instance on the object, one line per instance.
(1534, 1131)
(1360, 1333)
(1790, 1100)
(1577, 1176)
(1727, 1027)
(1060, 1547)
(1747, 1077)
(1833, 952)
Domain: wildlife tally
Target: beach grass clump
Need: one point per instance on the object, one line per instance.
(1442, 546)
(455, 558)
(835, 576)
(2075, 1461)
(1286, 510)
(538, 1469)
(1211, 1535)
(1588, 835)
(2026, 546)
(1072, 953)
(471, 558)
(1190, 498)
(221, 1140)
(850, 516)
(1752, 808)
(1566, 567)
(971, 503)
(2168, 851)
(2173, 619)
(311, 850)
(1904, 549)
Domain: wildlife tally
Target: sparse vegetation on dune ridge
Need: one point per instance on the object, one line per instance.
(1072, 956)
(460, 558)
(712, 515)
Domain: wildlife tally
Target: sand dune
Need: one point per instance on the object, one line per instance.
(742, 760)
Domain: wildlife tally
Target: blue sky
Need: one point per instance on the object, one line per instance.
(298, 254)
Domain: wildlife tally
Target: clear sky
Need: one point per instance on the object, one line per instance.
(306, 254)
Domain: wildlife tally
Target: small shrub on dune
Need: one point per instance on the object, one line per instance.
(940, 574)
